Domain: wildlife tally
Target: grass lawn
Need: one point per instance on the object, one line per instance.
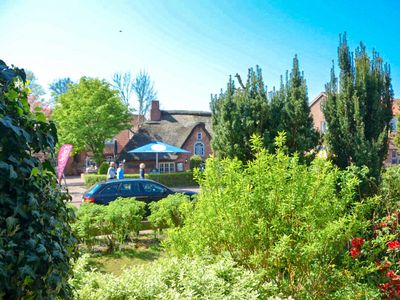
(144, 250)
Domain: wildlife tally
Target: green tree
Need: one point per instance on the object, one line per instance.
(36, 244)
(88, 114)
(358, 109)
(237, 113)
(291, 112)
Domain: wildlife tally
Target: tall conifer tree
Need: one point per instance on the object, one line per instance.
(358, 109)
(238, 113)
(301, 136)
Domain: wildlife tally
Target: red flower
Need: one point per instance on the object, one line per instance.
(390, 274)
(384, 286)
(354, 252)
(394, 245)
(383, 267)
(357, 242)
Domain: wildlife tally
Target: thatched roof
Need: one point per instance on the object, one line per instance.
(174, 128)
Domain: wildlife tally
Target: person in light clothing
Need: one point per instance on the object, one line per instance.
(111, 171)
(120, 171)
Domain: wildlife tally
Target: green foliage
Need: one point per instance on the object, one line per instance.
(117, 221)
(389, 189)
(358, 110)
(170, 211)
(291, 113)
(375, 259)
(195, 161)
(174, 278)
(181, 179)
(103, 168)
(123, 216)
(90, 223)
(276, 214)
(88, 114)
(92, 179)
(238, 113)
(36, 244)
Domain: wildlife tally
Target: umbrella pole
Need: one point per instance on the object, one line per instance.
(157, 162)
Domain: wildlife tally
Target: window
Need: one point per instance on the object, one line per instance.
(152, 188)
(394, 157)
(109, 142)
(393, 124)
(129, 188)
(110, 189)
(166, 167)
(199, 149)
(179, 167)
(323, 127)
(199, 136)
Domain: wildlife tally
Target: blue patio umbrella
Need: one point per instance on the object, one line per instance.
(158, 147)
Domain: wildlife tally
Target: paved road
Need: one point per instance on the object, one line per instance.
(76, 187)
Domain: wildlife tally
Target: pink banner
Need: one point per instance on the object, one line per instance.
(62, 159)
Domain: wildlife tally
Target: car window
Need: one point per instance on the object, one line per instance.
(152, 188)
(130, 188)
(94, 189)
(110, 189)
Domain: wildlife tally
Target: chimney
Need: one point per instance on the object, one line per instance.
(155, 112)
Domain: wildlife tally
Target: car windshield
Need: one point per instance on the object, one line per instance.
(93, 189)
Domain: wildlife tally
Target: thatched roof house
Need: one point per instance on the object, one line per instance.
(189, 130)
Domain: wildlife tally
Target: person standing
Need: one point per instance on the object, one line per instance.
(120, 171)
(141, 171)
(111, 171)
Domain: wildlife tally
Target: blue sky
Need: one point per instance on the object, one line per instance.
(190, 47)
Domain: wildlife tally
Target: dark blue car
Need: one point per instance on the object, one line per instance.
(142, 189)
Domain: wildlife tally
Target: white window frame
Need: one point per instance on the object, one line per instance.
(203, 148)
(199, 136)
(166, 167)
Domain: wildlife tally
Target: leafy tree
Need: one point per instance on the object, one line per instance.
(145, 92)
(36, 244)
(35, 88)
(237, 113)
(358, 109)
(123, 83)
(60, 86)
(291, 113)
(88, 114)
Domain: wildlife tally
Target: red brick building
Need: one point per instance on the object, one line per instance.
(320, 124)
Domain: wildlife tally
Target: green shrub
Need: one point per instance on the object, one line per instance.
(172, 278)
(36, 243)
(90, 223)
(181, 179)
(115, 221)
(103, 169)
(170, 211)
(91, 179)
(195, 162)
(389, 189)
(123, 216)
(292, 220)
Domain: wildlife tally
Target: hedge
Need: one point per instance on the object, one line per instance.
(170, 179)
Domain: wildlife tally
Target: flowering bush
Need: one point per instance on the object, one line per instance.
(377, 259)
(291, 220)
